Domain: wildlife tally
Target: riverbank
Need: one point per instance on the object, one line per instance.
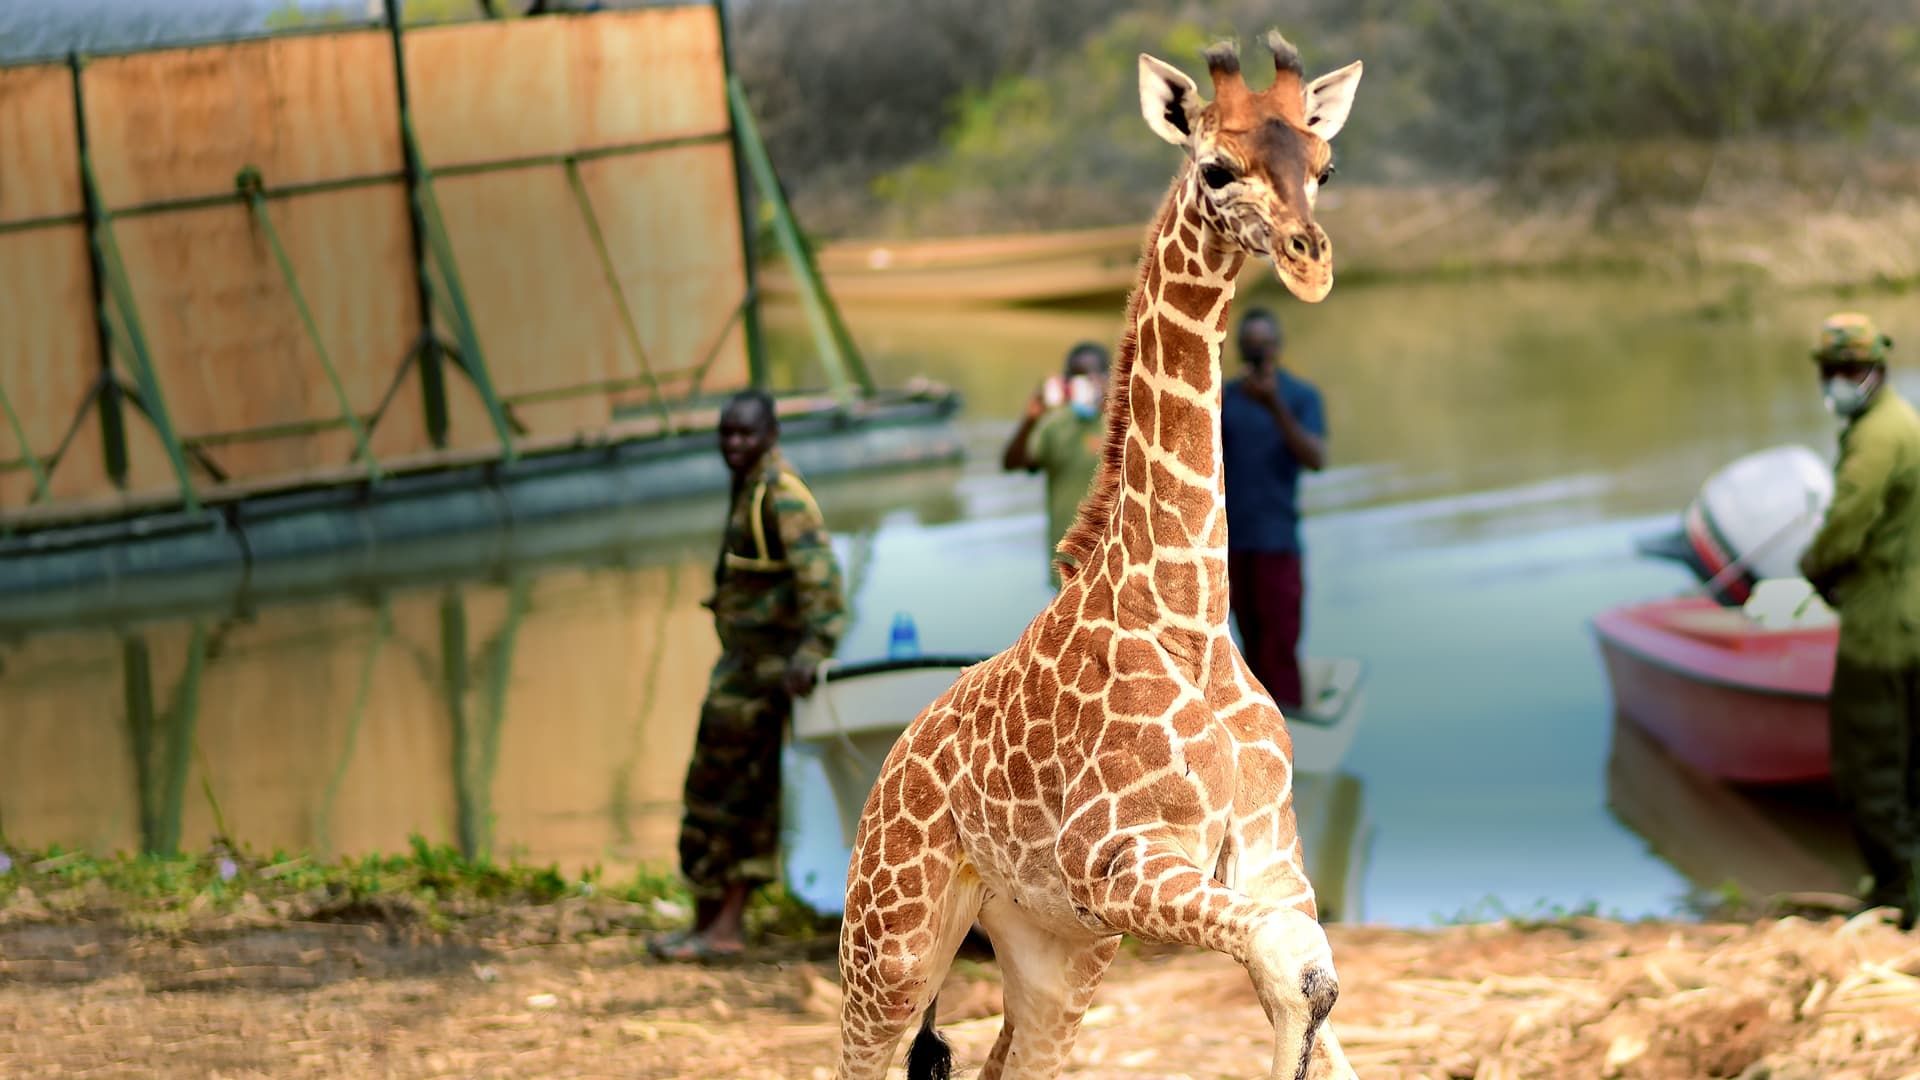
(1780, 236)
(438, 969)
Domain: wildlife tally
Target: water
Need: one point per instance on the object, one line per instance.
(1496, 449)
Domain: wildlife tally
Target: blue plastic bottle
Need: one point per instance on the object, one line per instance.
(904, 642)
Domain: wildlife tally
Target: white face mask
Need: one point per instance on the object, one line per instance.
(1846, 397)
(1084, 395)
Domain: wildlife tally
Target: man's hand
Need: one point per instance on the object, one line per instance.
(1264, 387)
(1825, 584)
(1014, 458)
(798, 679)
(1828, 588)
(1037, 404)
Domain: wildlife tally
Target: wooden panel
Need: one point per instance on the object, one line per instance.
(230, 350)
(539, 300)
(49, 356)
(229, 347)
(39, 149)
(672, 223)
(184, 122)
(494, 91)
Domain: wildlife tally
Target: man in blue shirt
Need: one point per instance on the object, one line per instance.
(1272, 426)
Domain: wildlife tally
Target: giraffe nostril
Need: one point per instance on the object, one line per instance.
(1299, 246)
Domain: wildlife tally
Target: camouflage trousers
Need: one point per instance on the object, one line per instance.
(730, 829)
(1875, 723)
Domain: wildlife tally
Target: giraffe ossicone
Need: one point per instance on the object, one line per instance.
(1118, 769)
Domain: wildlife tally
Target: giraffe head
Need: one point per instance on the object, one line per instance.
(1258, 157)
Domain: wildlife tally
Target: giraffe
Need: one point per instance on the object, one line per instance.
(1118, 769)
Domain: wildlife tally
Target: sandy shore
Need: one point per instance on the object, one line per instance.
(553, 996)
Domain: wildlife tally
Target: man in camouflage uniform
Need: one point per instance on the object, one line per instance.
(1865, 562)
(779, 610)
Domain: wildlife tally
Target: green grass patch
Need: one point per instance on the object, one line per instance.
(434, 885)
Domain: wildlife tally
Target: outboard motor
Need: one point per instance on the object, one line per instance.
(1760, 513)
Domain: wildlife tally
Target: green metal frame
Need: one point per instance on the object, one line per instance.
(843, 360)
(440, 289)
(612, 274)
(426, 351)
(132, 334)
(743, 201)
(373, 179)
(106, 387)
(450, 288)
(26, 448)
(249, 183)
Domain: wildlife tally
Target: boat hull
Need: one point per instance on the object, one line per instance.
(1747, 707)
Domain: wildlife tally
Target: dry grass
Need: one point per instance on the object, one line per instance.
(1784, 999)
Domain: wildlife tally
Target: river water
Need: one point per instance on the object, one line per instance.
(1496, 448)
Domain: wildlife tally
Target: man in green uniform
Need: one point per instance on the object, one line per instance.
(779, 609)
(1064, 439)
(1865, 562)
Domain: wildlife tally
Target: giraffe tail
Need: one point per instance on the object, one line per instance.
(930, 1058)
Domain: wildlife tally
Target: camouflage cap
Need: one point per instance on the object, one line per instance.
(1850, 337)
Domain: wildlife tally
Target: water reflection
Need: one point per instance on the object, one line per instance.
(1756, 843)
(542, 707)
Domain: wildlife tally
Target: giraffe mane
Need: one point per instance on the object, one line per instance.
(1096, 509)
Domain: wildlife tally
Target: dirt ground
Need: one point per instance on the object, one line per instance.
(1783, 999)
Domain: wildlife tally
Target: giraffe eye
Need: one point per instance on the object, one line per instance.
(1216, 176)
(1326, 175)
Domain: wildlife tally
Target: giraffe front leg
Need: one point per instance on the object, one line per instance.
(1257, 864)
(1293, 974)
(1143, 883)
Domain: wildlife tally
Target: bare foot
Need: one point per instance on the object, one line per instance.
(695, 948)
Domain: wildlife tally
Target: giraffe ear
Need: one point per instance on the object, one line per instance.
(1329, 98)
(1169, 100)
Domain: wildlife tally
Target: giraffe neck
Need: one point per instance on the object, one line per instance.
(1163, 551)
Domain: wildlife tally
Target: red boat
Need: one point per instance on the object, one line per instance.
(1734, 699)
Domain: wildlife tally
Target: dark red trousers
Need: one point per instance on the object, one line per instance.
(1266, 590)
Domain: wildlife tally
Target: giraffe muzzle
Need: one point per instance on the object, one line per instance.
(1304, 261)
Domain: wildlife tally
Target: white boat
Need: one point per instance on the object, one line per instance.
(844, 729)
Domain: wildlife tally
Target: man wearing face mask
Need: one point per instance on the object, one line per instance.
(1061, 434)
(1271, 427)
(1865, 562)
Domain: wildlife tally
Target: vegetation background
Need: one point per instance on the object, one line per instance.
(1775, 134)
(922, 108)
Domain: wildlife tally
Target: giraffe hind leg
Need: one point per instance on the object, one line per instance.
(902, 926)
(1049, 982)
